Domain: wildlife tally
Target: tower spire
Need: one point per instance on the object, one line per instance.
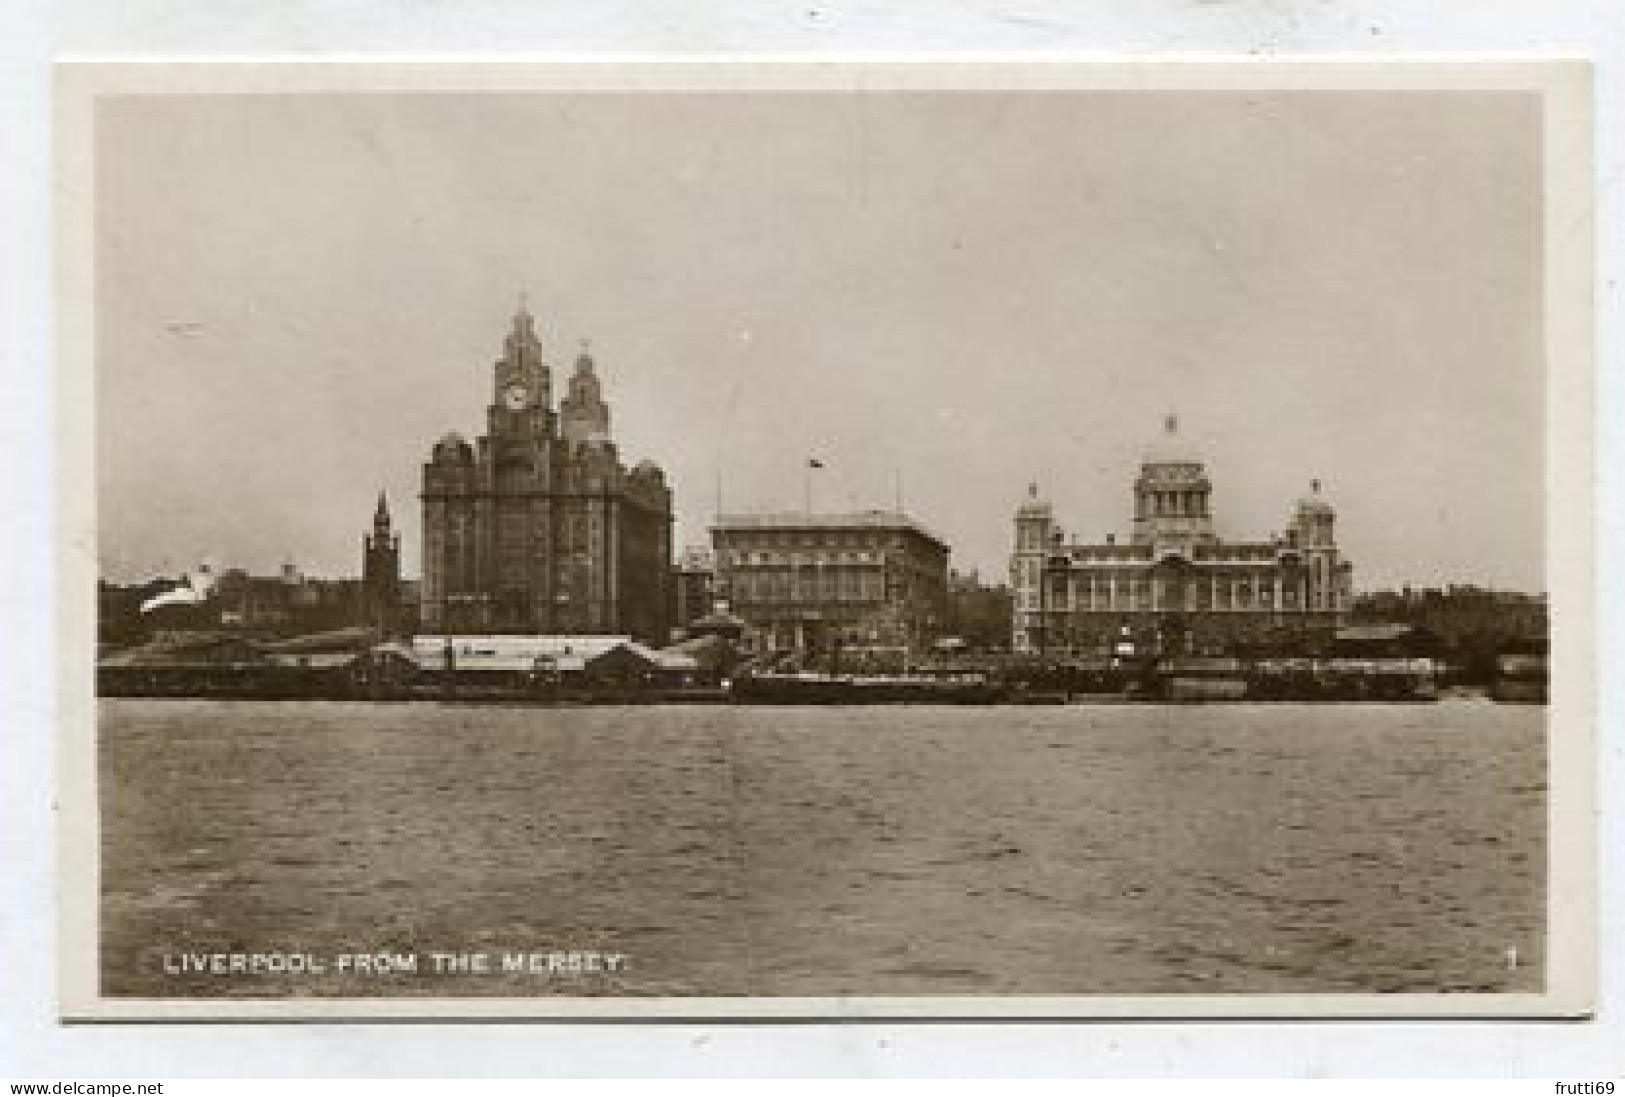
(380, 572)
(583, 412)
(524, 324)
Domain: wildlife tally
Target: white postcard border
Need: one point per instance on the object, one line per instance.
(1572, 864)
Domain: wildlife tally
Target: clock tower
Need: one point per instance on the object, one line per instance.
(537, 526)
(521, 399)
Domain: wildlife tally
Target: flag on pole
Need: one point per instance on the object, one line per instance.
(806, 482)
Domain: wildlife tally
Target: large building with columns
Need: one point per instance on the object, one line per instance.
(1173, 584)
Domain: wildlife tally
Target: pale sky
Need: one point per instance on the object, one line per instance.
(297, 295)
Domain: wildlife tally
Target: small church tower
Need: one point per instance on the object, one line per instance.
(381, 572)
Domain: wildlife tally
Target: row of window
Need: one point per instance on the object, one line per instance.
(1025, 573)
(833, 539)
(789, 634)
(1029, 538)
(1172, 502)
(828, 586)
(801, 559)
(1143, 594)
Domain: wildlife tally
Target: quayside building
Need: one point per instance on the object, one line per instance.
(1174, 585)
(537, 526)
(872, 580)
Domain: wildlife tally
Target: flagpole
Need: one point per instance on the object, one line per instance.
(806, 484)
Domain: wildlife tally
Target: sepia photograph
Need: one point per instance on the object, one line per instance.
(789, 540)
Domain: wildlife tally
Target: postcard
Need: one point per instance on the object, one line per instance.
(750, 539)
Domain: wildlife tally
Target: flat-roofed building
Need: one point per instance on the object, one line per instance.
(872, 579)
(519, 657)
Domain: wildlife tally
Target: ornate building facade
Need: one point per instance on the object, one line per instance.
(537, 526)
(875, 579)
(1174, 584)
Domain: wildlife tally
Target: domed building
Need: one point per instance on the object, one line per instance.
(537, 527)
(1175, 586)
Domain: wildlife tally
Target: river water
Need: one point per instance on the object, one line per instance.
(784, 851)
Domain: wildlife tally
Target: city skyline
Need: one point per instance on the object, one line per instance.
(964, 293)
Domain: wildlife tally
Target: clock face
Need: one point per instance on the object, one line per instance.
(515, 397)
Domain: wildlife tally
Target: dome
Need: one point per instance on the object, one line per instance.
(453, 447)
(1314, 503)
(1033, 504)
(1169, 448)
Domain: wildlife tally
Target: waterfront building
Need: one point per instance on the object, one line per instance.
(693, 578)
(1174, 585)
(518, 660)
(1459, 614)
(978, 612)
(537, 526)
(381, 573)
(285, 604)
(871, 580)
